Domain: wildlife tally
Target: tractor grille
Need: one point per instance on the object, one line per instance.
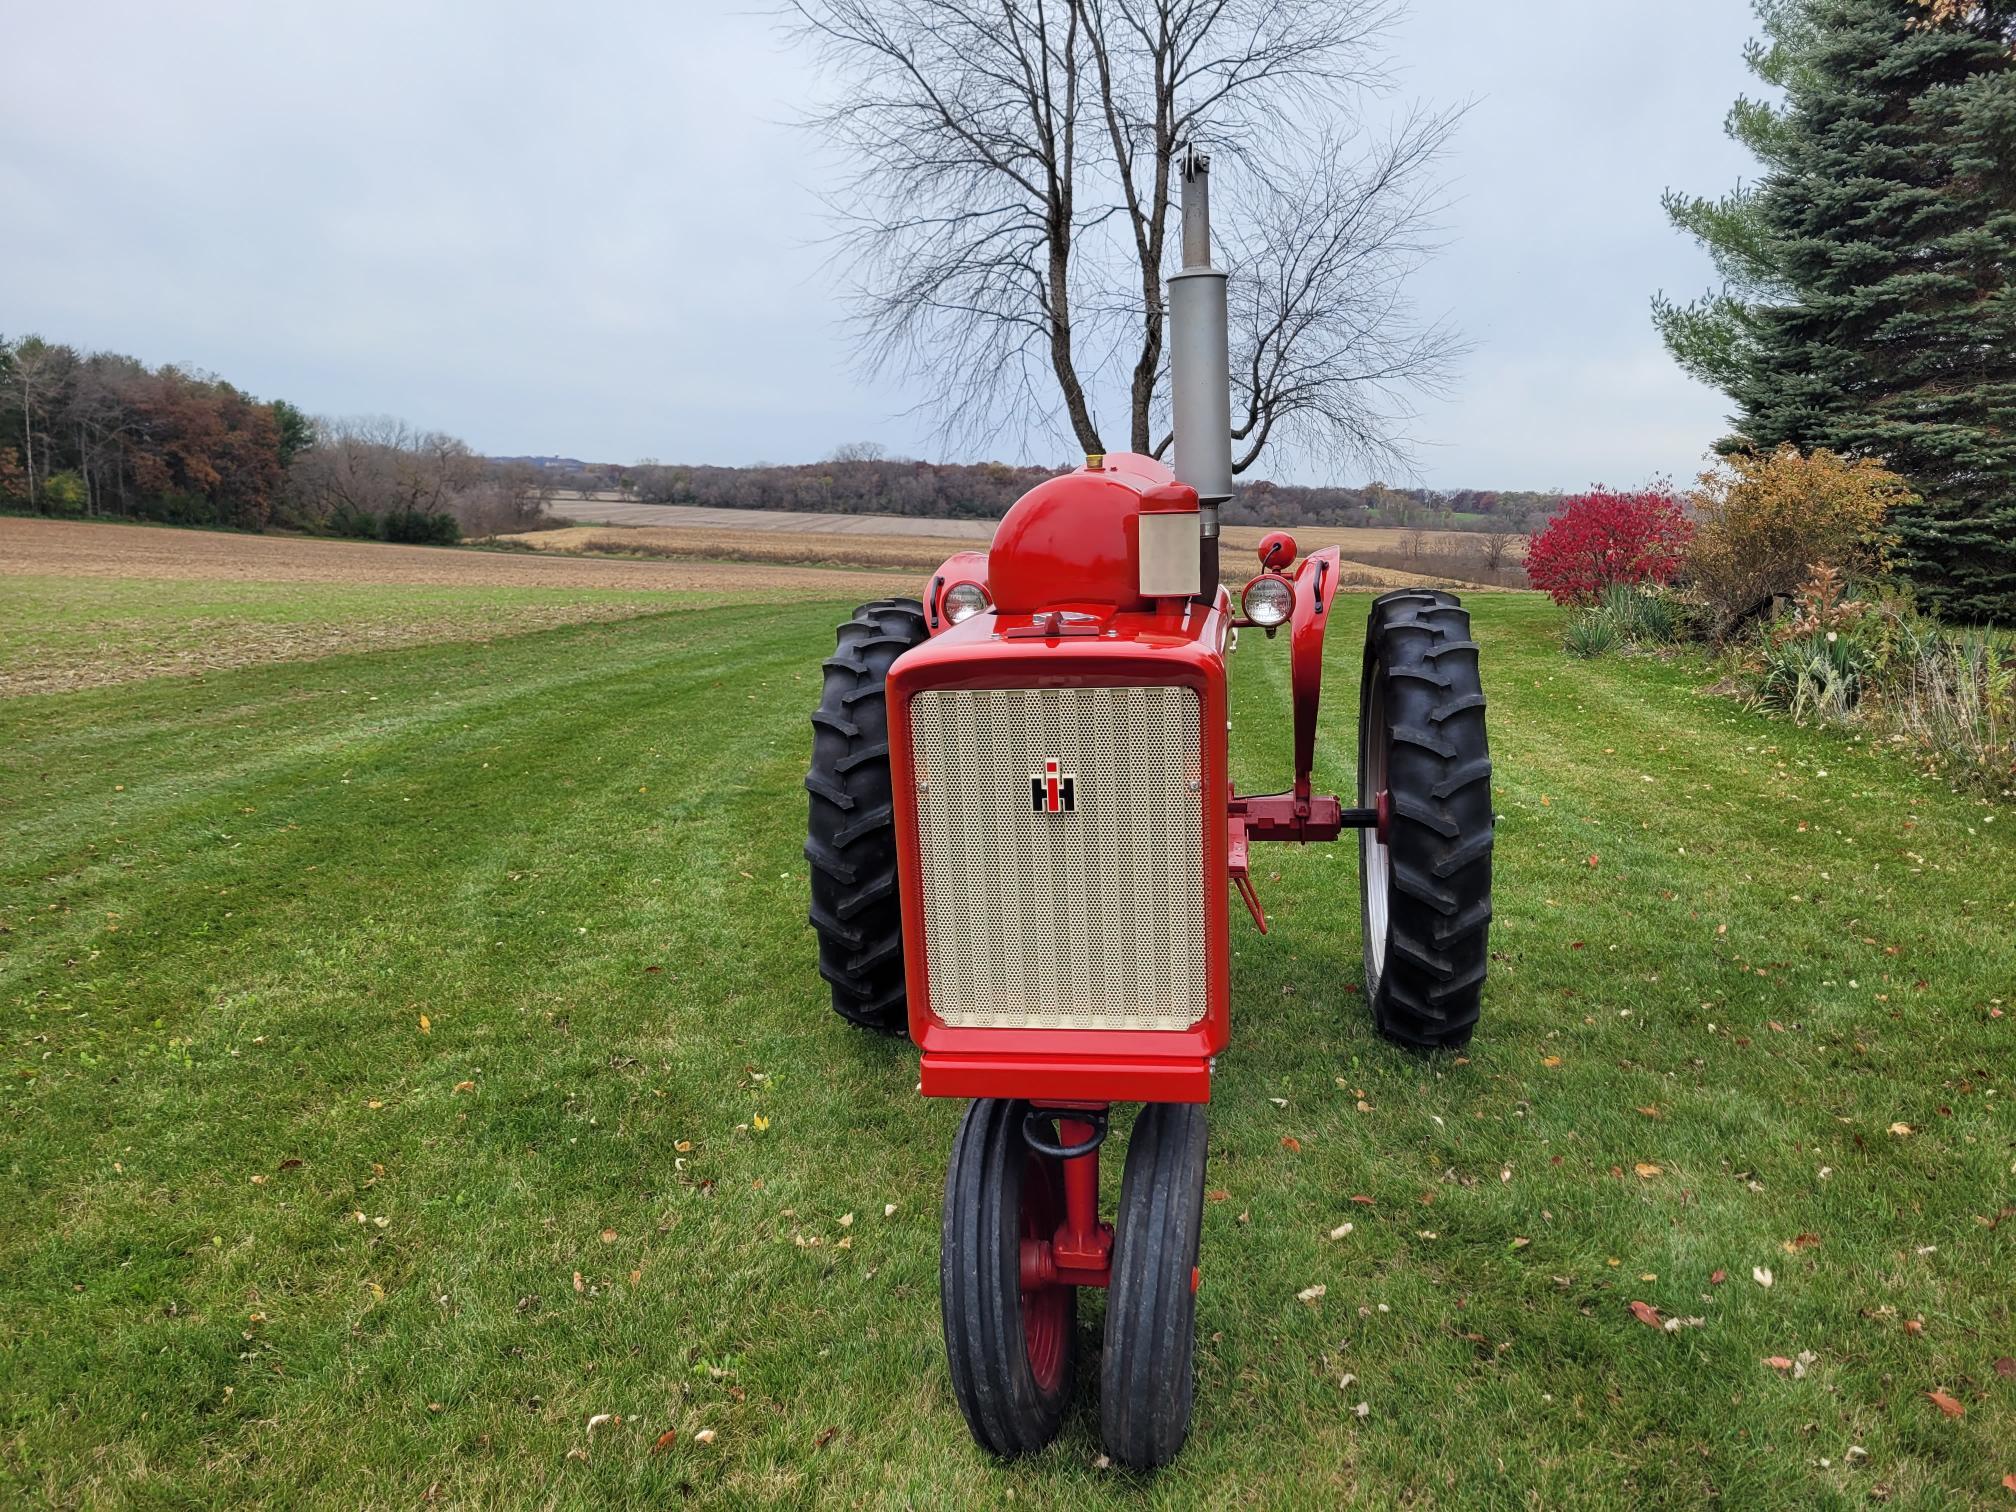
(1091, 918)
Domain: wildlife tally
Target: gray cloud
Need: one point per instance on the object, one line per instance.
(590, 230)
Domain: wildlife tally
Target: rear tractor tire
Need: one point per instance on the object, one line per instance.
(851, 839)
(1424, 764)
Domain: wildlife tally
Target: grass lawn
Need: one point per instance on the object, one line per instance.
(387, 1035)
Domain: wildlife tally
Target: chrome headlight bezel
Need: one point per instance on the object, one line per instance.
(1268, 600)
(962, 601)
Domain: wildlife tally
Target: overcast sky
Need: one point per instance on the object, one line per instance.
(591, 230)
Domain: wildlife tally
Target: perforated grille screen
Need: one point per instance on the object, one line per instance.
(1091, 917)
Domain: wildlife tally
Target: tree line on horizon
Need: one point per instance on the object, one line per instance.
(856, 479)
(101, 434)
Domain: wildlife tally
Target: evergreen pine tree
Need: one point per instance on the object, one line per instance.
(1883, 321)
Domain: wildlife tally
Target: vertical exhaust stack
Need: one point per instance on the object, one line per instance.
(1200, 364)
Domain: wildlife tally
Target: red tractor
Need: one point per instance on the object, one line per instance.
(1023, 828)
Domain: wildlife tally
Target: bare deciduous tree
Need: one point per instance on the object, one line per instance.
(1496, 546)
(1008, 193)
(366, 469)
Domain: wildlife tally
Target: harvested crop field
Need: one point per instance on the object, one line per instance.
(69, 548)
(87, 605)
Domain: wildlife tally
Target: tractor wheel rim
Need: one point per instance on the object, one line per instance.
(1044, 1308)
(1374, 853)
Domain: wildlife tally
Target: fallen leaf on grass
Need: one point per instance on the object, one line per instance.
(704, 1436)
(1312, 1294)
(2009, 1482)
(1761, 1274)
(425, 1027)
(1778, 1362)
(1647, 1170)
(1218, 1194)
(1946, 1404)
(465, 1086)
(1900, 1129)
(1550, 1061)
(1342, 1231)
(1650, 1110)
(1362, 1200)
(2005, 1367)
(1645, 1313)
(1291, 1144)
(824, 1437)
(579, 1284)
(608, 1236)
(1800, 1242)
(1913, 1327)
(1718, 1277)
(601, 1419)
(1674, 1325)
(665, 1441)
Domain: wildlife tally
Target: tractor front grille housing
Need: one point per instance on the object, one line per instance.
(1090, 917)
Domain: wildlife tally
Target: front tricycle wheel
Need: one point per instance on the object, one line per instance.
(1146, 1384)
(1424, 766)
(1011, 1340)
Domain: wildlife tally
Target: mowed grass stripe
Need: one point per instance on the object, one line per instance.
(523, 906)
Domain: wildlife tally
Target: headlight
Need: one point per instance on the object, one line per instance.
(964, 600)
(1268, 600)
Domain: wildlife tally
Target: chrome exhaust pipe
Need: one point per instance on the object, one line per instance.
(1200, 365)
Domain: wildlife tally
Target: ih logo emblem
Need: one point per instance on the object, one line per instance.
(1052, 791)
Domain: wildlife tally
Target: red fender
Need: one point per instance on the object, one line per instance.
(1315, 587)
(960, 567)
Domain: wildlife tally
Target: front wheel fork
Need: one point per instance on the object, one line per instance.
(1080, 1252)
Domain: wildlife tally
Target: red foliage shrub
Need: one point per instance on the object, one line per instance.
(1600, 538)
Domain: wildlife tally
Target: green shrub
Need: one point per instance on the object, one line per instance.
(1647, 616)
(418, 527)
(1591, 633)
(1818, 676)
(179, 506)
(64, 493)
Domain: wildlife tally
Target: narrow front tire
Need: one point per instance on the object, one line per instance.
(1012, 1348)
(1146, 1382)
